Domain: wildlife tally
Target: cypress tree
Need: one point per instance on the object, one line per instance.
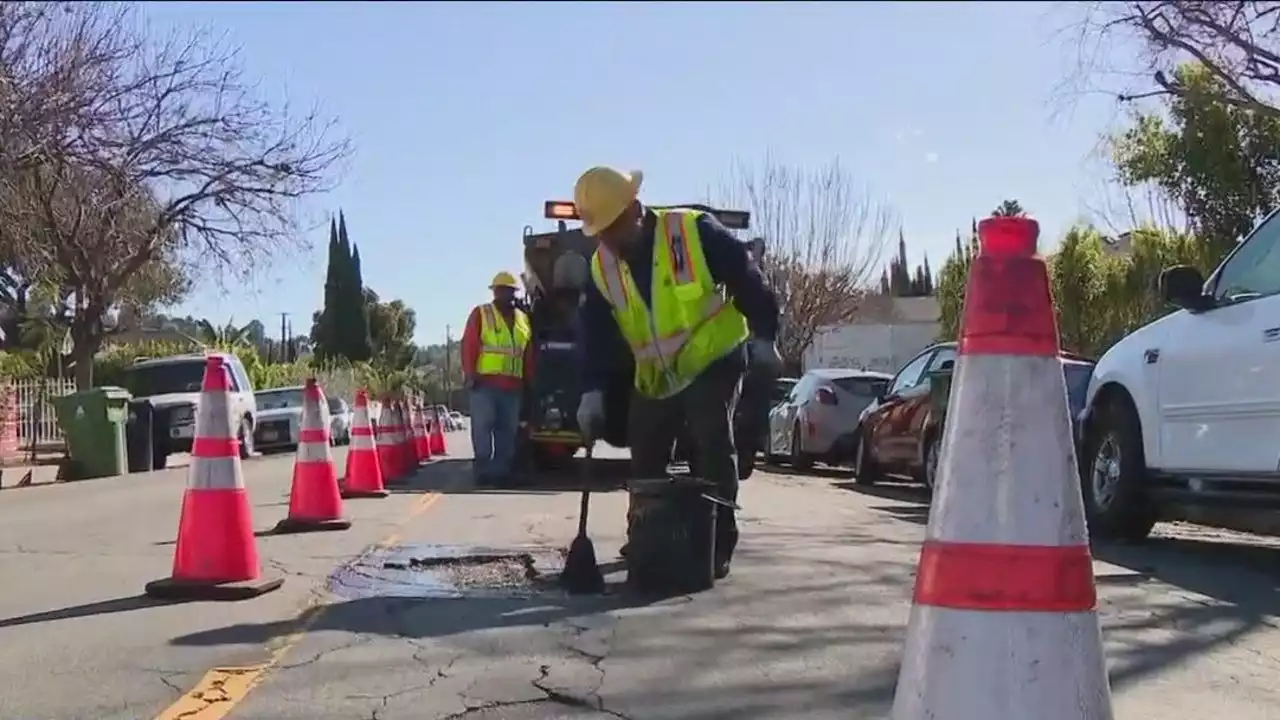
(325, 337)
(344, 316)
(360, 343)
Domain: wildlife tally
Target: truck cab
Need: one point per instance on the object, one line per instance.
(557, 271)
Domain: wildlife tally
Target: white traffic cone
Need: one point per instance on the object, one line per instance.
(1004, 625)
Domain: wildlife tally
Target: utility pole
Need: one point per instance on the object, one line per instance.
(284, 347)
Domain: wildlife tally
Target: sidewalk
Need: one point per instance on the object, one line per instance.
(45, 471)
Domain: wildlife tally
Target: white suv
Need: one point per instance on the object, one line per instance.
(1185, 412)
(172, 384)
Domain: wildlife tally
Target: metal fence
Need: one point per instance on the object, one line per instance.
(37, 422)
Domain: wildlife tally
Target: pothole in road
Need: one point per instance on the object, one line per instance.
(444, 571)
(469, 571)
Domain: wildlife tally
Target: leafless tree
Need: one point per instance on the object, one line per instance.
(157, 150)
(1118, 208)
(1239, 42)
(824, 237)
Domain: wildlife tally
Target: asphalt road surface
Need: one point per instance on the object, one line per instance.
(381, 622)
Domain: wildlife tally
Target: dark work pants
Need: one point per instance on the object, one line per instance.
(706, 407)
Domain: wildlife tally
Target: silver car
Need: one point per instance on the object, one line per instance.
(818, 420)
(279, 418)
(339, 422)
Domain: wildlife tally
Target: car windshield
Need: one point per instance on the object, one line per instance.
(862, 386)
(279, 399)
(164, 378)
(335, 405)
(1077, 376)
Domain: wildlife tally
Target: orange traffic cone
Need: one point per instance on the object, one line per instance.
(421, 443)
(216, 555)
(363, 477)
(437, 435)
(1004, 621)
(315, 502)
(404, 441)
(386, 443)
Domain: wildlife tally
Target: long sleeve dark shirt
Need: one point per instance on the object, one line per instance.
(729, 265)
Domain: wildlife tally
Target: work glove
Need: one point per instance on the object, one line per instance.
(765, 357)
(590, 414)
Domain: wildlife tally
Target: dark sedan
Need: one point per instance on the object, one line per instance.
(898, 434)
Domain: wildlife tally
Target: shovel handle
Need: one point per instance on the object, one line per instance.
(584, 503)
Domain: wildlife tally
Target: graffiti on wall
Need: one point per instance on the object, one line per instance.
(880, 363)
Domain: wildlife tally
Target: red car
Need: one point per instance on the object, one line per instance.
(898, 433)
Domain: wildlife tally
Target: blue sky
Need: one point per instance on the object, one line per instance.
(467, 116)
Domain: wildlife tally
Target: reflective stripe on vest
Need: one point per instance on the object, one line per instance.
(691, 323)
(501, 347)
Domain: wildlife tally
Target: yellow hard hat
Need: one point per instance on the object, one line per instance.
(602, 194)
(504, 279)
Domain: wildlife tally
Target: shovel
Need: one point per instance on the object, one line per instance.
(581, 574)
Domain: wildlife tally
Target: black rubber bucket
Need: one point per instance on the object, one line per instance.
(671, 536)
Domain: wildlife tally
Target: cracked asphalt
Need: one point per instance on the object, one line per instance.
(809, 625)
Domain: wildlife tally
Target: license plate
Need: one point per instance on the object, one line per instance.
(270, 435)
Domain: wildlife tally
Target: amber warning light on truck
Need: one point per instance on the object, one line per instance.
(560, 210)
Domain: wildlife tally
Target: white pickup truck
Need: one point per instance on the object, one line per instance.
(1185, 412)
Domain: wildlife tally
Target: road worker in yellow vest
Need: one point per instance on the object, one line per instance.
(495, 360)
(687, 301)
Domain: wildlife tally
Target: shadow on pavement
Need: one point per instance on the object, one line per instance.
(915, 494)
(608, 474)
(417, 618)
(1242, 575)
(439, 475)
(745, 651)
(102, 607)
(1239, 577)
(822, 471)
(1236, 580)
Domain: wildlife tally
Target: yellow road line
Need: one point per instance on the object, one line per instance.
(223, 688)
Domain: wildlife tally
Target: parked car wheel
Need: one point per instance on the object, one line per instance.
(799, 459)
(1113, 475)
(245, 436)
(864, 469)
(929, 471)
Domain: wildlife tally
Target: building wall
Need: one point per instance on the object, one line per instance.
(884, 337)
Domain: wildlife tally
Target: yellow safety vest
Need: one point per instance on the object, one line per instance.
(502, 348)
(691, 323)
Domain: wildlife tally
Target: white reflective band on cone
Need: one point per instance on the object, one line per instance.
(1012, 393)
(384, 427)
(313, 452)
(213, 416)
(216, 474)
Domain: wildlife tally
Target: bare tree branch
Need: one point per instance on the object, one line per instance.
(1238, 42)
(123, 153)
(824, 239)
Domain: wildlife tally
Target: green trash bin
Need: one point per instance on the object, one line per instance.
(93, 422)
